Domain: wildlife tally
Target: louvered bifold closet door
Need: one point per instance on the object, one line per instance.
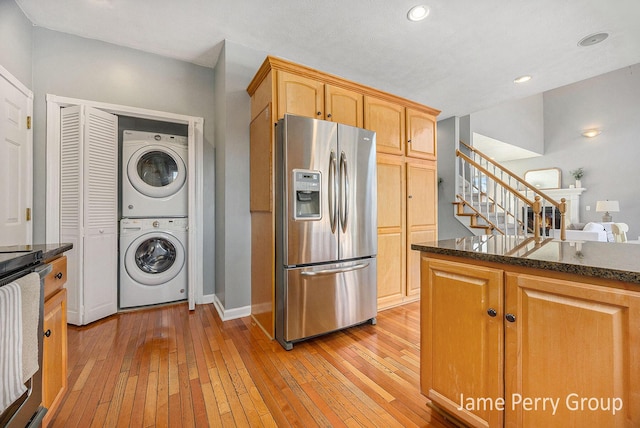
(100, 215)
(71, 206)
(88, 211)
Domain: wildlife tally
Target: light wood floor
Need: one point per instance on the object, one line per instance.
(167, 366)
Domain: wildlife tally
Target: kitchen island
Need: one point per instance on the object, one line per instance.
(524, 333)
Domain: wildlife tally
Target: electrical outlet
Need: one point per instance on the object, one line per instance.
(588, 207)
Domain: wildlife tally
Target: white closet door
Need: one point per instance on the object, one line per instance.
(71, 167)
(100, 214)
(88, 211)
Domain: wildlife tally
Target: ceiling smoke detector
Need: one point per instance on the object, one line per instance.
(593, 39)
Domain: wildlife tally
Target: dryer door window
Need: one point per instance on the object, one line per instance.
(154, 258)
(157, 169)
(156, 172)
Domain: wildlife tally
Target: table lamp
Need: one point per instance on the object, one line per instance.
(606, 207)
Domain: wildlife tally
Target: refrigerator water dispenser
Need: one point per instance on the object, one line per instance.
(306, 188)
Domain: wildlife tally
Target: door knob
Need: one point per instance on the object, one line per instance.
(510, 317)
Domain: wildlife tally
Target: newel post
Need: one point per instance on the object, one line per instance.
(563, 209)
(537, 209)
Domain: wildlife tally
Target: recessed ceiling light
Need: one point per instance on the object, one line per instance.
(418, 13)
(590, 133)
(522, 79)
(593, 39)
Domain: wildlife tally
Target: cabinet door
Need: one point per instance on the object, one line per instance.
(343, 106)
(572, 341)
(421, 216)
(461, 345)
(388, 120)
(421, 135)
(300, 96)
(54, 352)
(391, 231)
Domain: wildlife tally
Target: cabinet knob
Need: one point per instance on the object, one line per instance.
(510, 317)
(329, 115)
(492, 312)
(319, 113)
(59, 275)
(409, 141)
(47, 333)
(410, 196)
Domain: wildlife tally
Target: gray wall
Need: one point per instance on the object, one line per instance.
(15, 42)
(519, 123)
(235, 69)
(76, 67)
(610, 160)
(448, 135)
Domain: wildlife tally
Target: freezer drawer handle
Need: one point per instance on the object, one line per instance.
(336, 270)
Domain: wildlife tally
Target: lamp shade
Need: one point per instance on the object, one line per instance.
(607, 206)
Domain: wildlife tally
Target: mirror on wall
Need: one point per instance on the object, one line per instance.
(548, 178)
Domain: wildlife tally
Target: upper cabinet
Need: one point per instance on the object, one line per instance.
(421, 134)
(343, 106)
(300, 96)
(401, 130)
(388, 120)
(309, 97)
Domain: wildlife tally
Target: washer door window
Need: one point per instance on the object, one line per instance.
(154, 258)
(157, 172)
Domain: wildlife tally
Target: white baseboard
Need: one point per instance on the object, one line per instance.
(227, 314)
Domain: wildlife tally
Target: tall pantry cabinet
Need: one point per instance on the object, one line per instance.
(407, 193)
(407, 202)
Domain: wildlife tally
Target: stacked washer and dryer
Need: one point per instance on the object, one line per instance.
(153, 228)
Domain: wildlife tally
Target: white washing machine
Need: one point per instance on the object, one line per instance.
(153, 261)
(154, 175)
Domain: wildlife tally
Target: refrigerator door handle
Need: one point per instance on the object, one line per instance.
(344, 193)
(336, 270)
(332, 192)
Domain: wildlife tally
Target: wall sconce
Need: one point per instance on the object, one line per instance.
(606, 207)
(590, 133)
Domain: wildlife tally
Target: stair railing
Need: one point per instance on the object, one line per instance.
(487, 187)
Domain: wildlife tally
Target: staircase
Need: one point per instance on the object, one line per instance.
(496, 201)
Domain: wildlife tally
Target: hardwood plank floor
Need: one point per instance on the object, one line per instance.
(166, 366)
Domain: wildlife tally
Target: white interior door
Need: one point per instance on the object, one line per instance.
(16, 162)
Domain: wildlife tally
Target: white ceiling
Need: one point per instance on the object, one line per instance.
(461, 59)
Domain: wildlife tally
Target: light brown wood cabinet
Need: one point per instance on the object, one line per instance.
(558, 349)
(54, 353)
(405, 140)
(280, 87)
(309, 97)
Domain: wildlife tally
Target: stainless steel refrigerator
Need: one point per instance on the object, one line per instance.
(326, 228)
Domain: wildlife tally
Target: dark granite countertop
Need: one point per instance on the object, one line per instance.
(13, 257)
(596, 259)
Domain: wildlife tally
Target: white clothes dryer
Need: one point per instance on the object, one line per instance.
(154, 175)
(153, 261)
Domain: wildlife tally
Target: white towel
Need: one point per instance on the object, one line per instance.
(11, 385)
(30, 290)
